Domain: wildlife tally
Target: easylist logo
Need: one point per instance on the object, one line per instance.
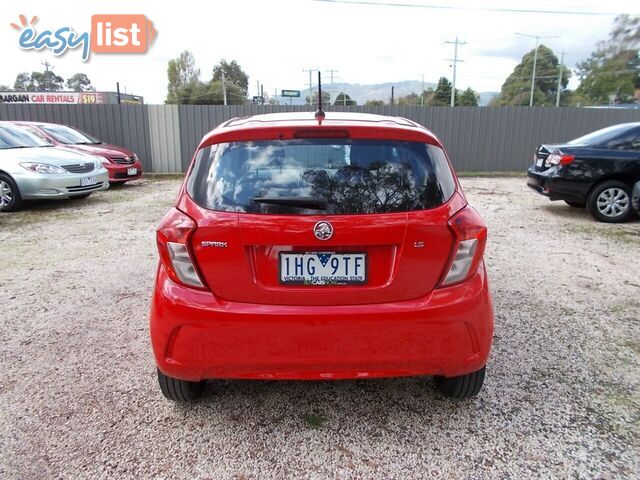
(109, 34)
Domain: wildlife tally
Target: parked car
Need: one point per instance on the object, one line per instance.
(32, 169)
(597, 170)
(306, 250)
(122, 164)
(635, 197)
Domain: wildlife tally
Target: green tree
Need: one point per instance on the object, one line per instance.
(80, 83)
(183, 77)
(23, 82)
(314, 98)
(612, 72)
(468, 98)
(442, 94)
(4, 88)
(233, 75)
(343, 99)
(374, 103)
(410, 99)
(46, 82)
(516, 89)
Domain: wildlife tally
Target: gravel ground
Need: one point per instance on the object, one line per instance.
(79, 397)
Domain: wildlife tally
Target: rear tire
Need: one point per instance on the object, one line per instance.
(180, 390)
(575, 204)
(610, 202)
(10, 199)
(464, 386)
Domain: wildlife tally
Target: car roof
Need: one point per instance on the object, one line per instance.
(292, 120)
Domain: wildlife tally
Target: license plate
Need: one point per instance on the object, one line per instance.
(86, 181)
(539, 162)
(323, 268)
(132, 171)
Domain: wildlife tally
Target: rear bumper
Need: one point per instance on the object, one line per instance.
(195, 336)
(120, 173)
(552, 184)
(34, 186)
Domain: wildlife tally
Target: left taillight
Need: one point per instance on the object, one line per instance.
(172, 237)
(470, 234)
(560, 159)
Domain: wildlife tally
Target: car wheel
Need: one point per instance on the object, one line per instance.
(10, 199)
(610, 202)
(464, 386)
(79, 197)
(575, 204)
(179, 390)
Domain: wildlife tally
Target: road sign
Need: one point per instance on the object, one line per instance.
(258, 100)
(291, 93)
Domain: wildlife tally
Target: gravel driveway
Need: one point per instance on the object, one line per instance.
(79, 398)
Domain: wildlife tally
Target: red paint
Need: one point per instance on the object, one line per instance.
(245, 324)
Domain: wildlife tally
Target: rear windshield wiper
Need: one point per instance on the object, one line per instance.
(314, 203)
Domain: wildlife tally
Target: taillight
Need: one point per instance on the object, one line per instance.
(470, 234)
(173, 244)
(560, 159)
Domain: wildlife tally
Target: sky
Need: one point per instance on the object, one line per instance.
(274, 41)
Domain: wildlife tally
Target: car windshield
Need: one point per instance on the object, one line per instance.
(605, 137)
(321, 176)
(12, 136)
(68, 135)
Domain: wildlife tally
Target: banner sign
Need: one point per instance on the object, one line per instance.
(51, 97)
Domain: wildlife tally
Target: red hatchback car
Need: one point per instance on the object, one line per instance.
(341, 249)
(122, 164)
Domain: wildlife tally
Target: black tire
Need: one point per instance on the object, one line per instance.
(598, 195)
(80, 197)
(464, 386)
(16, 203)
(575, 204)
(179, 390)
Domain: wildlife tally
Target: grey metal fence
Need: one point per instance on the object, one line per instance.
(478, 139)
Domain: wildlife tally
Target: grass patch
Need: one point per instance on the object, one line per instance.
(315, 420)
(611, 232)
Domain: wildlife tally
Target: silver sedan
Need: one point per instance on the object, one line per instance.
(32, 169)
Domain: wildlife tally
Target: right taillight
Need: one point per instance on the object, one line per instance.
(470, 239)
(173, 244)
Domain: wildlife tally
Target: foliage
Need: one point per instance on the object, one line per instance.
(183, 76)
(516, 90)
(39, 82)
(80, 83)
(612, 72)
(468, 98)
(233, 75)
(345, 100)
(442, 94)
(22, 82)
(374, 103)
(314, 98)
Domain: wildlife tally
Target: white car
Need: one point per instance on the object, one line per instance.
(32, 169)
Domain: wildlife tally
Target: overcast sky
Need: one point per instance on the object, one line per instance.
(275, 40)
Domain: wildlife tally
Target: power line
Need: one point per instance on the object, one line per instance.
(478, 9)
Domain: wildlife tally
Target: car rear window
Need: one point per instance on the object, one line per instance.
(321, 176)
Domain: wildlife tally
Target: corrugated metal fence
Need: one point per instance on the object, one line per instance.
(478, 139)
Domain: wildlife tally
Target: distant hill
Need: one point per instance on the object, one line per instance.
(380, 91)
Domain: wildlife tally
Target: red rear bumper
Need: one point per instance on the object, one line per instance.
(120, 173)
(196, 336)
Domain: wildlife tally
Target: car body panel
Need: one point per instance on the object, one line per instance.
(33, 186)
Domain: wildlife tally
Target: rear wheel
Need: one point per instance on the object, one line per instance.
(464, 386)
(179, 390)
(610, 202)
(10, 199)
(575, 204)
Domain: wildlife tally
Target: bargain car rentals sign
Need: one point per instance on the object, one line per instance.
(51, 97)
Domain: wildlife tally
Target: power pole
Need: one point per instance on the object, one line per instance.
(422, 92)
(331, 72)
(392, 93)
(224, 89)
(560, 67)
(310, 71)
(118, 92)
(455, 64)
(535, 61)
